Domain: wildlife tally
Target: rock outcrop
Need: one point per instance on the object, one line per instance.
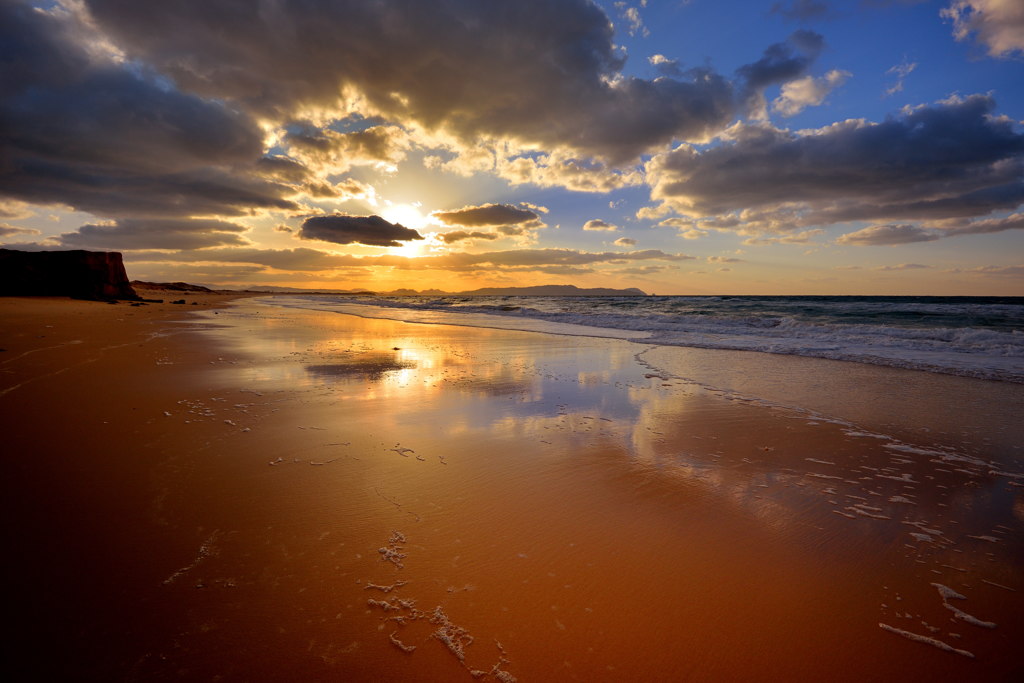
(79, 274)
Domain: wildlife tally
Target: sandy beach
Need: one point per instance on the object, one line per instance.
(235, 491)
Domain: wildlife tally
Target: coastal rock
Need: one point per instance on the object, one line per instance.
(77, 273)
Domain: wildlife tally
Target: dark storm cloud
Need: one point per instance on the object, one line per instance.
(148, 233)
(951, 159)
(529, 70)
(82, 130)
(488, 214)
(369, 230)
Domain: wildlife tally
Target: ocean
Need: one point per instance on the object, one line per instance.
(981, 337)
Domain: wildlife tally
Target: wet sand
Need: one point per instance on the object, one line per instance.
(272, 494)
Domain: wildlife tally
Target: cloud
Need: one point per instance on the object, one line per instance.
(332, 152)
(300, 258)
(687, 228)
(724, 259)
(152, 233)
(625, 242)
(802, 10)
(953, 159)
(888, 235)
(488, 214)
(984, 226)
(10, 231)
(82, 129)
(635, 24)
(793, 238)
(369, 230)
(907, 233)
(997, 271)
(460, 235)
(10, 208)
(514, 260)
(535, 257)
(200, 274)
(554, 79)
(780, 63)
(997, 24)
(598, 225)
(902, 266)
(808, 91)
(666, 66)
(901, 71)
(560, 170)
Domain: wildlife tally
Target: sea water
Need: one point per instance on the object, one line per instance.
(980, 337)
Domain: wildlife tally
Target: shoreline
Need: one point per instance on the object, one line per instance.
(226, 502)
(837, 345)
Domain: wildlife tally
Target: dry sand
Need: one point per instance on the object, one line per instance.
(271, 494)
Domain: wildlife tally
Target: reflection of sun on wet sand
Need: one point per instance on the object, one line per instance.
(449, 503)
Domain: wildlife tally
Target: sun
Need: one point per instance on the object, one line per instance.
(408, 215)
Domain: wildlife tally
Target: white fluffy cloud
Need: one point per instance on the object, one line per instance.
(808, 91)
(997, 24)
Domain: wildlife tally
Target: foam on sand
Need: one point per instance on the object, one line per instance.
(917, 638)
(392, 552)
(399, 644)
(964, 616)
(455, 638)
(947, 594)
(208, 548)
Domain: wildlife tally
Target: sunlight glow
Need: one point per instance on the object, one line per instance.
(408, 215)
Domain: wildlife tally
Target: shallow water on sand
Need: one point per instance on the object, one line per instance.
(422, 502)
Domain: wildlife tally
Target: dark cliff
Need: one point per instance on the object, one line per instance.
(80, 274)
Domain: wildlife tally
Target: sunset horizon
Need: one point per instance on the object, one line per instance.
(513, 340)
(679, 148)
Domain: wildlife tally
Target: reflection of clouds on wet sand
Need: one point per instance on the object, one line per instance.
(885, 512)
(370, 369)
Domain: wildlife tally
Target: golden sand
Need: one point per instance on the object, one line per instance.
(272, 494)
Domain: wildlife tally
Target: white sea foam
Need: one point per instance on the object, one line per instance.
(948, 593)
(901, 499)
(917, 638)
(964, 616)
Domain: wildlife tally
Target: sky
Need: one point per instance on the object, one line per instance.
(868, 147)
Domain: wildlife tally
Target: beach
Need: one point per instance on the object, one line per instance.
(233, 491)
